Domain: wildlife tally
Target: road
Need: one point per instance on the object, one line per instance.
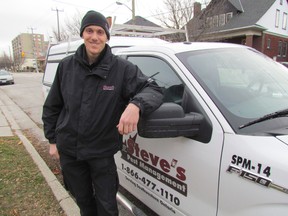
(27, 94)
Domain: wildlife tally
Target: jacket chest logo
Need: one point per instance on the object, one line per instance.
(108, 88)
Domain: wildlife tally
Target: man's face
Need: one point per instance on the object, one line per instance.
(95, 39)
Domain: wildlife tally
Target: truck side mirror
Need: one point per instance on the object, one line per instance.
(169, 120)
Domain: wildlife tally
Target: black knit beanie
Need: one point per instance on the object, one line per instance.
(94, 18)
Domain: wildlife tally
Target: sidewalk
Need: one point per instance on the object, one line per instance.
(5, 129)
(10, 119)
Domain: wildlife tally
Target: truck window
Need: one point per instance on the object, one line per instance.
(163, 74)
(50, 72)
(174, 89)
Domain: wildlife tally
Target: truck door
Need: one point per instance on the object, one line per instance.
(173, 176)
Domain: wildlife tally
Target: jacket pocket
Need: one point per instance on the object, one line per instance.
(63, 120)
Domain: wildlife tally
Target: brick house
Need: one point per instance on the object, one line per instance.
(261, 24)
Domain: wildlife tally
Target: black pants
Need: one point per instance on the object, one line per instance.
(93, 183)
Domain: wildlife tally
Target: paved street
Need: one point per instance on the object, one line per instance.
(27, 94)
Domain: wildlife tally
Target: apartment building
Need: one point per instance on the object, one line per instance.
(29, 49)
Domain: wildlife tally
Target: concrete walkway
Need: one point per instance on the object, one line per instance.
(5, 129)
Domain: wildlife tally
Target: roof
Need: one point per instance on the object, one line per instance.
(142, 22)
(249, 15)
(237, 4)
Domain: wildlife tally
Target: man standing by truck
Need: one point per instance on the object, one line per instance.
(95, 98)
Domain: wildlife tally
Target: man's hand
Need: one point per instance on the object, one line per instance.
(53, 151)
(129, 119)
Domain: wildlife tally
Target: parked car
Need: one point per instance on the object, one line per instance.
(218, 145)
(6, 77)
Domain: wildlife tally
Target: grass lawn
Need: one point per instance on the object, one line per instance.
(23, 189)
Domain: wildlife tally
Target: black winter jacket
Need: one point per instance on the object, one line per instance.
(85, 103)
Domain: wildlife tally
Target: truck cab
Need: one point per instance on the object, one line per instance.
(219, 143)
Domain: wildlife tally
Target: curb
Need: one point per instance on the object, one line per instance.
(13, 113)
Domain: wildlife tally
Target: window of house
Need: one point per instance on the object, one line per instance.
(284, 21)
(281, 2)
(221, 19)
(268, 43)
(284, 49)
(280, 48)
(215, 21)
(277, 18)
(209, 22)
(228, 16)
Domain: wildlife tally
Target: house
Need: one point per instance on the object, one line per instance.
(137, 27)
(261, 24)
(144, 28)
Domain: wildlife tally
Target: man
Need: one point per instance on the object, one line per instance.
(95, 98)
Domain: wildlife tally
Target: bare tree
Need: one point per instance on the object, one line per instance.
(73, 25)
(64, 35)
(5, 61)
(70, 29)
(175, 14)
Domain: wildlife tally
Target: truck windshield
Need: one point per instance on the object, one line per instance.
(244, 84)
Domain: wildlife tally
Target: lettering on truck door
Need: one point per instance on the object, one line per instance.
(180, 174)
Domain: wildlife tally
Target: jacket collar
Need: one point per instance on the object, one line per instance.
(102, 66)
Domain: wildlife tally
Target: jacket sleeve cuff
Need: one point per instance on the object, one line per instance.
(52, 141)
(138, 104)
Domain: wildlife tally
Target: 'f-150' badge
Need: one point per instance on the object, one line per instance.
(264, 181)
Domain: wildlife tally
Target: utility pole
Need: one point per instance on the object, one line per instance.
(10, 59)
(133, 12)
(33, 48)
(58, 26)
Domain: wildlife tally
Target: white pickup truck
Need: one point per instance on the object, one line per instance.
(218, 146)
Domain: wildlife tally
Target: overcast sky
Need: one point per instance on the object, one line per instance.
(18, 16)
